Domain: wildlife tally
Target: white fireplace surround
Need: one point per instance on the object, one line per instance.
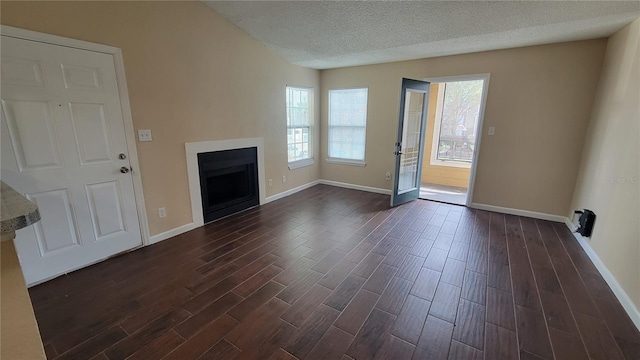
(195, 148)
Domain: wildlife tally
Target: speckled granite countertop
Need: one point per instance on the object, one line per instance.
(16, 211)
(19, 334)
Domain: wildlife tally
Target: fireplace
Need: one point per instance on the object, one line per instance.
(193, 150)
(228, 181)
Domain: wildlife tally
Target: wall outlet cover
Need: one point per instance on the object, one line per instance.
(144, 134)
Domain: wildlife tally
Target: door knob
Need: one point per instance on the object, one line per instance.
(124, 170)
(397, 153)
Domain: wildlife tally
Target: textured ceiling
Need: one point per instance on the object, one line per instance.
(330, 34)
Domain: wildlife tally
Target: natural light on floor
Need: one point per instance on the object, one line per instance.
(443, 193)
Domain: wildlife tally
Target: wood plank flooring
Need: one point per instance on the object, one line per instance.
(331, 273)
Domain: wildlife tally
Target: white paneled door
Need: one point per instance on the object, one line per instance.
(64, 147)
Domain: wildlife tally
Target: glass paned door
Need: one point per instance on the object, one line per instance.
(409, 150)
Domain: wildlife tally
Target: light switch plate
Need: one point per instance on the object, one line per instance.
(492, 130)
(144, 134)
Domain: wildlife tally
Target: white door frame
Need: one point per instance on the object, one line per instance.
(483, 102)
(124, 101)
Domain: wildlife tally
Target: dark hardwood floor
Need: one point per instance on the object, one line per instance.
(331, 273)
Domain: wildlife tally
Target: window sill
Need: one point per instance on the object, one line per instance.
(346, 162)
(449, 163)
(301, 163)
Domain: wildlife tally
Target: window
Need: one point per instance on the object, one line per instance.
(299, 126)
(457, 112)
(347, 125)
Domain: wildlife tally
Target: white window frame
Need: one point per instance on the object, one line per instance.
(347, 161)
(308, 161)
(436, 131)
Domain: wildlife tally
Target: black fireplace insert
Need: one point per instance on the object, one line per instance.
(228, 182)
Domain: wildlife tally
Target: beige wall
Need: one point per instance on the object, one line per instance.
(438, 174)
(192, 76)
(539, 101)
(609, 179)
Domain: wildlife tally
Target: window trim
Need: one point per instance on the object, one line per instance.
(347, 161)
(436, 133)
(297, 164)
(310, 160)
(340, 161)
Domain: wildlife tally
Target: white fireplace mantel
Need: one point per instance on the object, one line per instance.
(194, 148)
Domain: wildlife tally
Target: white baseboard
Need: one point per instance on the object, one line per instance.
(171, 233)
(290, 191)
(527, 213)
(356, 187)
(618, 291)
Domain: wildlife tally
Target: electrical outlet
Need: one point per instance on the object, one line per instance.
(270, 182)
(387, 176)
(162, 213)
(492, 130)
(284, 178)
(144, 135)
